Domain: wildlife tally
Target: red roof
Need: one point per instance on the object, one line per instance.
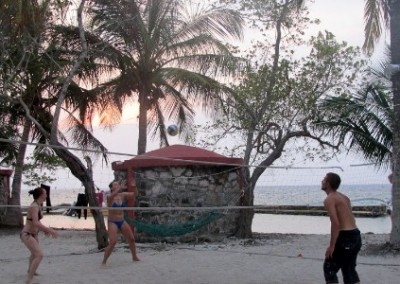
(6, 172)
(177, 155)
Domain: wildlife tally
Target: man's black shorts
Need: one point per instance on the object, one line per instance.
(344, 257)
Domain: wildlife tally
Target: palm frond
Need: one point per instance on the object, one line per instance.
(365, 119)
(376, 18)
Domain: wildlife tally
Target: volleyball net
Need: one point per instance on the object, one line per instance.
(173, 202)
(286, 183)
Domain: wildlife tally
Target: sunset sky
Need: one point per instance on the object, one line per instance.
(344, 18)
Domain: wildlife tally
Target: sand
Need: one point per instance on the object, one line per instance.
(267, 258)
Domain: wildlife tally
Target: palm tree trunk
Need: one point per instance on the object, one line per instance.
(395, 53)
(13, 216)
(142, 139)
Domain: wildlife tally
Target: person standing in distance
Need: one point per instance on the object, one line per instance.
(29, 234)
(345, 239)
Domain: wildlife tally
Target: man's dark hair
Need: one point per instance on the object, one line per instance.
(333, 179)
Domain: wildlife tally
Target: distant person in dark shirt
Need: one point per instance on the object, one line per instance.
(48, 201)
(82, 202)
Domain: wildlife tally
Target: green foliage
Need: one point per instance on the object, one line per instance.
(363, 120)
(41, 168)
(270, 116)
(376, 18)
(168, 55)
(34, 61)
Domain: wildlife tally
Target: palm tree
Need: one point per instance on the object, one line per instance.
(36, 61)
(168, 58)
(394, 8)
(380, 14)
(18, 23)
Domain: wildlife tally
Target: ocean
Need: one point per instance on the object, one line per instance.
(359, 194)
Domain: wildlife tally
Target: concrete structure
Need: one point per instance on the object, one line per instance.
(181, 176)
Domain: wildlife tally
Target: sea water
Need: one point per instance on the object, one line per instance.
(267, 195)
(359, 194)
(57, 196)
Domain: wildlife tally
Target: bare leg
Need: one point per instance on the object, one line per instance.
(130, 238)
(112, 235)
(35, 258)
(30, 263)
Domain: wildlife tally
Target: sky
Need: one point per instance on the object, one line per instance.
(344, 18)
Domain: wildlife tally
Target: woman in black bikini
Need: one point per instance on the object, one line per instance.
(29, 234)
(116, 222)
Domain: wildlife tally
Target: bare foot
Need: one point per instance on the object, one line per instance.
(135, 258)
(103, 265)
(35, 274)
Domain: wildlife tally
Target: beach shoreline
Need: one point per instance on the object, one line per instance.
(265, 258)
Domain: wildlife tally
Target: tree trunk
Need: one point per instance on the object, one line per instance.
(246, 215)
(395, 53)
(84, 175)
(90, 190)
(13, 216)
(142, 139)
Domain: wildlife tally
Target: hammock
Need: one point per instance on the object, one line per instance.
(169, 230)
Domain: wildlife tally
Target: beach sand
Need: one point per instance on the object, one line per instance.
(267, 258)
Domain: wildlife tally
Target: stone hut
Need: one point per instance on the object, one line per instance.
(181, 190)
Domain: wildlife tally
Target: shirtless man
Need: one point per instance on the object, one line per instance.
(345, 242)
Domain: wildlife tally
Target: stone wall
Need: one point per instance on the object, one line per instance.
(191, 186)
(4, 191)
(3, 195)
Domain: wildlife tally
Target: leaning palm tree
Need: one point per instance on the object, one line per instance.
(166, 57)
